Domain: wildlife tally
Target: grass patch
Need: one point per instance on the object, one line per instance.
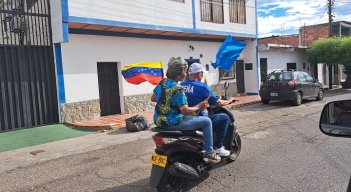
(38, 135)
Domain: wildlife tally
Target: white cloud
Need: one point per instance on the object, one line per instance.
(278, 17)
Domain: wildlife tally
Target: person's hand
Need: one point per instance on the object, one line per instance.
(203, 105)
(233, 100)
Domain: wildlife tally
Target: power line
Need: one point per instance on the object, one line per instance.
(321, 16)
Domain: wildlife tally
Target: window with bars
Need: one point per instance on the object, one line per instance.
(212, 11)
(229, 74)
(237, 11)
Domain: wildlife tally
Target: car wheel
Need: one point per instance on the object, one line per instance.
(298, 99)
(265, 101)
(320, 95)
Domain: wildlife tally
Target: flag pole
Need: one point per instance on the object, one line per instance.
(220, 79)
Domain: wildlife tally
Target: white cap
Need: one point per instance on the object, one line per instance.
(195, 68)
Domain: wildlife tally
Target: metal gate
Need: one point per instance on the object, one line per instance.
(28, 94)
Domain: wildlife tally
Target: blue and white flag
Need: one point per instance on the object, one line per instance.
(228, 53)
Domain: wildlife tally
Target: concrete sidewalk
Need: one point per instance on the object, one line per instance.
(117, 121)
(40, 153)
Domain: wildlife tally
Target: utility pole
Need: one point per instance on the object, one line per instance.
(330, 4)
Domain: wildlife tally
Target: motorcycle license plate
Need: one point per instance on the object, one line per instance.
(159, 160)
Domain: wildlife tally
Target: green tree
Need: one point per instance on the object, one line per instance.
(346, 56)
(332, 51)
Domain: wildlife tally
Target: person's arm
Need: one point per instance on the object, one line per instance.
(186, 110)
(153, 97)
(155, 91)
(225, 102)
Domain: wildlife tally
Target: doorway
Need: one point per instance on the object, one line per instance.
(240, 76)
(263, 66)
(108, 88)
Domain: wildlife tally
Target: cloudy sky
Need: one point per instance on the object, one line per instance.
(283, 17)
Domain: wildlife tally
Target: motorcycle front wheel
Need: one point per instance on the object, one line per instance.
(235, 150)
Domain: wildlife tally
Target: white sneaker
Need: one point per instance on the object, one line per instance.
(222, 152)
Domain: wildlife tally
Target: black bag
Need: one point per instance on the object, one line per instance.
(137, 123)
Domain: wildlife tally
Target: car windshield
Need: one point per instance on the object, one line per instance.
(280, 76)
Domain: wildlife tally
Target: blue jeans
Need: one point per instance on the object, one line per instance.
(220, 123)
(198, 122)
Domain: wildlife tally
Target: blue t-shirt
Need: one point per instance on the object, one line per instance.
(196, 92)
(174, 117)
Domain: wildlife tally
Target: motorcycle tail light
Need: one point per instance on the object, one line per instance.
(160, 141)
(167, 140)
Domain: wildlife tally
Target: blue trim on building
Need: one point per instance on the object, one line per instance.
(137, 35)
(154, 27)
(258, 67)
(59, 71)
(65, 20)
(193, 11)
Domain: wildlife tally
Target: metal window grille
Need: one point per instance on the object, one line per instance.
(212, 11)
(237, 11)
(25, 22)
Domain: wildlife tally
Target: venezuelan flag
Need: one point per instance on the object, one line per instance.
(144, 71)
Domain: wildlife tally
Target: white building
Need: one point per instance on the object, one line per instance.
(278, 57)
(95, 39)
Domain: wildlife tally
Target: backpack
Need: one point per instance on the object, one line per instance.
(137, 123)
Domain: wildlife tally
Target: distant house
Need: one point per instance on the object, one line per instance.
(94, 40)
(282, 52)
(289, 51)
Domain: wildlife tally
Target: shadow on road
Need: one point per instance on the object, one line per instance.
(143, 185)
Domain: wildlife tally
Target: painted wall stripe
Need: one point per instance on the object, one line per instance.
(65, 20)
(59, 71)
(155, 27)
(258, 67)
(193, 10)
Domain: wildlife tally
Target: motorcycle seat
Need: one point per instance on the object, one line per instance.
(170, 132)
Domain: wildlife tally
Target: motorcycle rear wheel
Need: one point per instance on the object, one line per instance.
(170, 183)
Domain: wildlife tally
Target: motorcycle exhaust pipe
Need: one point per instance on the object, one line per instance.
(182, 170)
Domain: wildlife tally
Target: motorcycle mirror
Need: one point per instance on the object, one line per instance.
(335, 119)
(226, 85)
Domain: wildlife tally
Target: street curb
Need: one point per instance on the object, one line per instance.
(92, 128)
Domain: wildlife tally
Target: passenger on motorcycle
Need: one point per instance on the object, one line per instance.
(172, 110)
(196, 92)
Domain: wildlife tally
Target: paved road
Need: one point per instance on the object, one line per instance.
(283, 150)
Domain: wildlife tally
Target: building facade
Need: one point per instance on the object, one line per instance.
(288, 52)
(94, 40)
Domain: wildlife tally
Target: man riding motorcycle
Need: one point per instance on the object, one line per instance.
(172, 111)
(196, 92)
